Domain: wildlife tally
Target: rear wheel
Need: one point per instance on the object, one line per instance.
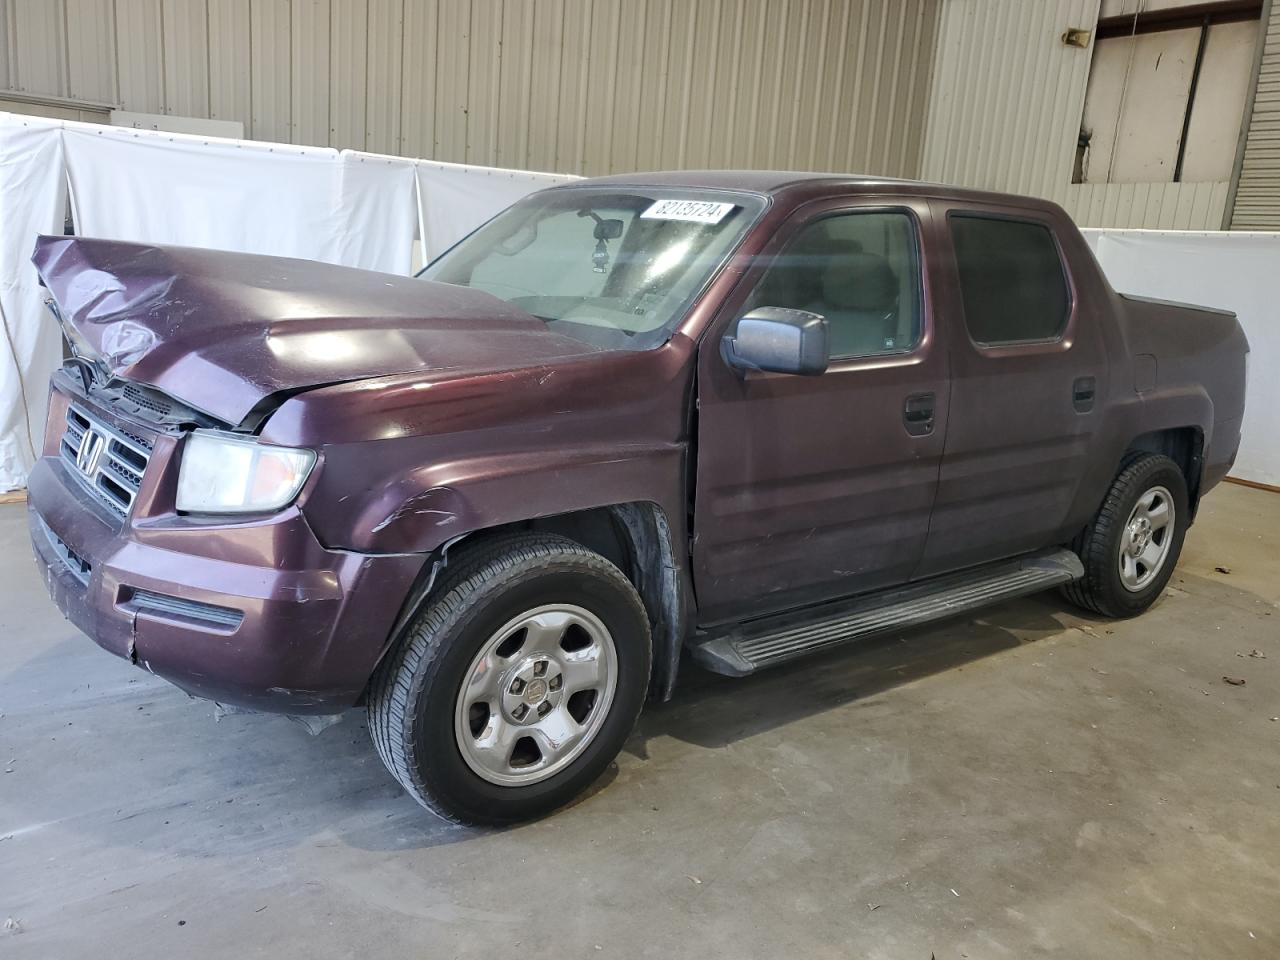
(518, 683)
(1131, 547)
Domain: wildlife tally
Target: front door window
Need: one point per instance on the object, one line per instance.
(859, 270)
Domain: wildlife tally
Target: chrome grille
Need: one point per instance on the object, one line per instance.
(107, 460)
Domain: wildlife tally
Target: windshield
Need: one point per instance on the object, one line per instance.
(614, 269)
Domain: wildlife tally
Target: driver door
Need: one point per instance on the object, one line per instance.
(810, 488)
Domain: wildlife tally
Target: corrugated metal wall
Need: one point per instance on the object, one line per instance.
(1005, 114)
(1257, 200)
(576, 86)
(1007, 94)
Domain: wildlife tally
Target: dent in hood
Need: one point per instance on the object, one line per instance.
(226, 332)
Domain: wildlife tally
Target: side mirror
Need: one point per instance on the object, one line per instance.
(779, 340)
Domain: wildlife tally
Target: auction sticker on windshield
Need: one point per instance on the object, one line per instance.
(695, 211)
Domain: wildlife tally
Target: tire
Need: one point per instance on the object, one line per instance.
(509, 608)
(1117, 583)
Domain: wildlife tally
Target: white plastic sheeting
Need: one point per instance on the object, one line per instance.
(310, 202)
(454, 199)
(1232, 271)
(32, 201)
(346, 207)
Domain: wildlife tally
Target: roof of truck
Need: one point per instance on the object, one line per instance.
(771, 182)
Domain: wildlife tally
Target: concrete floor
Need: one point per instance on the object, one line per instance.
(1026, 783)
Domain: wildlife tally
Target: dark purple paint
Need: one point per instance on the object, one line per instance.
(438, 411)
(224, 331)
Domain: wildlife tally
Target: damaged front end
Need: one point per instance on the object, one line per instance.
(249, 610)
(232, 598)
(255, 549)
(149, 317)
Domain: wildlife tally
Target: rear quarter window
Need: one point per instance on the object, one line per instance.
(1012, 283)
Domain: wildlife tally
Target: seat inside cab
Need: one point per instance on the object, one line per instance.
(858, 271)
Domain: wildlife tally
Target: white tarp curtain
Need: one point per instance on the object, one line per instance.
(1232, 271)
(32, 201)
(346, 207)
(309, 202)
(454, 199)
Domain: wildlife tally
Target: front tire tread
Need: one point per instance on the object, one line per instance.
(398, 684)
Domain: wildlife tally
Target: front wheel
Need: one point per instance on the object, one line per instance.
(1131, 547)
(517, 684)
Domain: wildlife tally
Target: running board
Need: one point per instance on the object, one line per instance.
(744, 648)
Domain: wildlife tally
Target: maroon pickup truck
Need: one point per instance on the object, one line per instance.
(746, 416)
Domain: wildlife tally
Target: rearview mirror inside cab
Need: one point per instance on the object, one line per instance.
(779, 340)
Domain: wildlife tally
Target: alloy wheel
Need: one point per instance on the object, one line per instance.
(1146, 539)
(536, 695)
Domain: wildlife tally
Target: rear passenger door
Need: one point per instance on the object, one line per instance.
(813, 487)
(1027, 368)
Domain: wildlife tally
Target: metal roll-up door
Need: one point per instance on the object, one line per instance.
(1257, 198)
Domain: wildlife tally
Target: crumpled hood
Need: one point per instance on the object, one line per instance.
(223, 332)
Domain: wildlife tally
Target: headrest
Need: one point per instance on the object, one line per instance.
(860, 281)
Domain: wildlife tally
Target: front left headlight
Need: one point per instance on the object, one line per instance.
(223, 474)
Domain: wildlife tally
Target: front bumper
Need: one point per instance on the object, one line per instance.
(255, 613)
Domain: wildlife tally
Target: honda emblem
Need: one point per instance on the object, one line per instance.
(89, 454)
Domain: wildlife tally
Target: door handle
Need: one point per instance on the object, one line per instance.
(917, 414)
(1083, 392)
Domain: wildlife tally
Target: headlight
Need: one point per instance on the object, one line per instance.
(221, 474)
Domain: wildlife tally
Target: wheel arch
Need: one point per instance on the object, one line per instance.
(636, 536)
(1183, 445)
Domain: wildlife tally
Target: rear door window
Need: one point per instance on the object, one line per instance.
(1012, 282)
